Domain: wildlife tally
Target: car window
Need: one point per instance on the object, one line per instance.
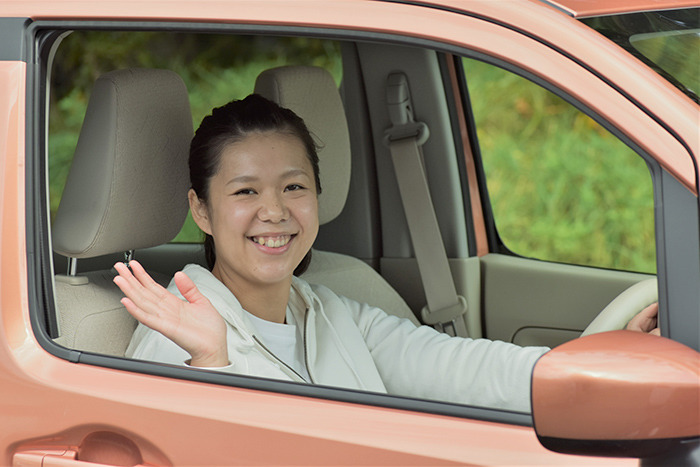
(562, 188)
(215, 69)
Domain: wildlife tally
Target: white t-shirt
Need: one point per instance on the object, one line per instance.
(285, 341)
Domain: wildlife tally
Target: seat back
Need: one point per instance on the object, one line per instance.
(126, 190)
(312, 94)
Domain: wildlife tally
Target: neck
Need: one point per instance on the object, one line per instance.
(266, 301)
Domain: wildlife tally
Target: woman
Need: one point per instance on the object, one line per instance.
(255, 181)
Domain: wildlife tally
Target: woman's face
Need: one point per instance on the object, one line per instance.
(262, 209)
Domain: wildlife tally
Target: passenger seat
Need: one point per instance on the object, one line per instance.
(126, 190)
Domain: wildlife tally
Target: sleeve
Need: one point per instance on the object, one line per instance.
(422, 362)
(147, 344)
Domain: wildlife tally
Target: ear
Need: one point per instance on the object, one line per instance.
(200, 212)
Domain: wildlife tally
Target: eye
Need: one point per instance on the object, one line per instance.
(244, 191)
(294, 187)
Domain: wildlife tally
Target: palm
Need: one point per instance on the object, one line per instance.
(194, 325)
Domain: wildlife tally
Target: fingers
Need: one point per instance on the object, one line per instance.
(187, 288)
(137, 275)
(140, 315)
(645, 320)
(146, 294)
(651, 311)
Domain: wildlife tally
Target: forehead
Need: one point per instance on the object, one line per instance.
(265, 150)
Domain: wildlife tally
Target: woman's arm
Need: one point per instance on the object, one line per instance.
(421, 362)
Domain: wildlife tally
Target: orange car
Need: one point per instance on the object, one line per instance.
(557, 140)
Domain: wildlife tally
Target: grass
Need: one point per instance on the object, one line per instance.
(562, 188)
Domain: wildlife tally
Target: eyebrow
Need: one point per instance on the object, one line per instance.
(250, 178)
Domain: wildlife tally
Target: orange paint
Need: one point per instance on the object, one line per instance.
(620, 385)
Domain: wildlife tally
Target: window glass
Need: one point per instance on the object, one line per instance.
(215, 68)
(665, 40)
(675, 52)
(562, 188)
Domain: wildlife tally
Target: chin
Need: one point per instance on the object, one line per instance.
(275, 276)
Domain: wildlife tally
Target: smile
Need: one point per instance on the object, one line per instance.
(272, 242)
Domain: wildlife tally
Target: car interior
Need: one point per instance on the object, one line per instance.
(125, 197)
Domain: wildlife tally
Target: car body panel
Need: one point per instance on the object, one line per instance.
(13, 269)
(52, 404)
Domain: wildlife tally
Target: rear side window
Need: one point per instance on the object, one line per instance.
(562, 188)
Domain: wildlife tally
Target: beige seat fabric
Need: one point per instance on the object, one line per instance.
(126, 190)
(312, 94)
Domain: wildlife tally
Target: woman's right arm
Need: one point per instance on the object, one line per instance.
(421, 362)
(193, 324)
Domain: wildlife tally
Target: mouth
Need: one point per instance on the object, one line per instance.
(272, 241)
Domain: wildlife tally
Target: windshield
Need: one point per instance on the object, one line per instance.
(667, 41)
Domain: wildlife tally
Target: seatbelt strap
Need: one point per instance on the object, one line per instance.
(445, 308)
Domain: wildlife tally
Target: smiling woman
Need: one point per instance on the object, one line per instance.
(255, 181)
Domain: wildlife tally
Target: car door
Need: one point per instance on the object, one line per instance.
(70, 407)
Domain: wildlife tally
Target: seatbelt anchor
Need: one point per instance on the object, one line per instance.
(445, 317)
(399, 104)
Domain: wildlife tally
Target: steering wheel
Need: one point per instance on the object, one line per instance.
(623, 307)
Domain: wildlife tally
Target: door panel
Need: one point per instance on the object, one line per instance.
(533, 302)
(52, 405)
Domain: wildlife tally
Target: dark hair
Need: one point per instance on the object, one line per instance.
(232, 123)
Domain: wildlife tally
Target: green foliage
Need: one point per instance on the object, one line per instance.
(561, 187)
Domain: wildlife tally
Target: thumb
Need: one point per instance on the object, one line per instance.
(187, 288)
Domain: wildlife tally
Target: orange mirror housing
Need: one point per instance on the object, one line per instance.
(619, 393)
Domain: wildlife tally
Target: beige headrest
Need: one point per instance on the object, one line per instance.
(313, 95)
(127, 186)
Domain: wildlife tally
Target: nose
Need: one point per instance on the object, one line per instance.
(273, 208)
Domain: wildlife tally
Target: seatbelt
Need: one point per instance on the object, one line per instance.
(445, 308)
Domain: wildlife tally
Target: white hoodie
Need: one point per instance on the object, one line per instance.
(354, 345)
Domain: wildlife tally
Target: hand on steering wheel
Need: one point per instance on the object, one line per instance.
(624, 307)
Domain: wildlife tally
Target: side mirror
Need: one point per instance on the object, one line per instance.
(618, 394)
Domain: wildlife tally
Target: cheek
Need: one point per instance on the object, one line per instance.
(307, 214)
(232, 216)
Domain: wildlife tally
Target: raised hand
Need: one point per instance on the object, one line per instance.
(194, 325)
